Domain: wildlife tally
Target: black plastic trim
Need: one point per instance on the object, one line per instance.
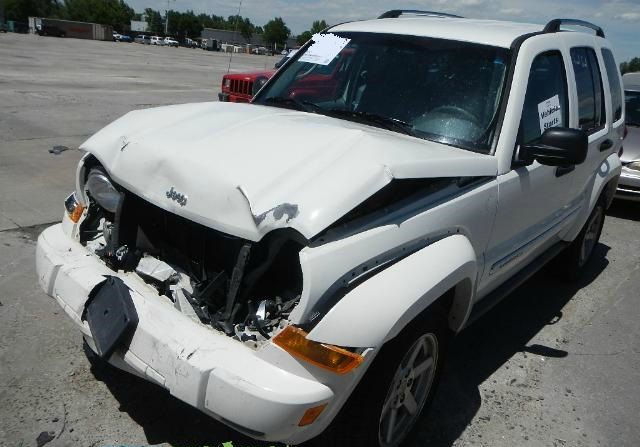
(515, 49)
(488, 302)
(395, 13)
(554, 26)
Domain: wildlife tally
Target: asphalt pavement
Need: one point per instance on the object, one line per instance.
(555, 364)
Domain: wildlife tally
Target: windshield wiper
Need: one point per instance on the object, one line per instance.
(305, 106)
(373, 118)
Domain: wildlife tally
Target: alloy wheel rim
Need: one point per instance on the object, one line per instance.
(590, 237)
(408, 392)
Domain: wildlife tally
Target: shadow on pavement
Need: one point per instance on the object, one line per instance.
(164, 418)
(625, 209)
(485, 346)
(475, 354)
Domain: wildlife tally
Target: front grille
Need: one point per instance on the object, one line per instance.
(242, 87)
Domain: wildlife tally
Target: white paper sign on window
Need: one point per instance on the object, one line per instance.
(550, 113)
(324, 49)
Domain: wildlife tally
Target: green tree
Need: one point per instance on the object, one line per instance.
(304, 37)
(107, 12)
(318, 26)
(20, 10)
(631, 66)
(154, 21)
(276, 32)
(246, 29)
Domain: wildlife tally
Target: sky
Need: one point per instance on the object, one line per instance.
(619, 18)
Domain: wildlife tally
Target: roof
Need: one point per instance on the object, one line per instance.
(487, 32)
(631, 81)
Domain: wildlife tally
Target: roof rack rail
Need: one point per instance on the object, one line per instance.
(554, 26)
(395, 13)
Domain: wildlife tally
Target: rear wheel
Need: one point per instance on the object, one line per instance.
(573, 260)
(396, 391)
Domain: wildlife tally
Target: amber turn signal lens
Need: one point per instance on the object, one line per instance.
(294, 341)
(73, 207)
(311, 415)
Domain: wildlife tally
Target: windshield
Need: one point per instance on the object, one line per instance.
(632, 107)
(435, 89)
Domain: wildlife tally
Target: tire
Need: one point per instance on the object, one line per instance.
(387, 385)
(573, 260)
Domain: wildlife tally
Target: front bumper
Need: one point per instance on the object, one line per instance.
(231, 97)
(208, 370)
(629, 185)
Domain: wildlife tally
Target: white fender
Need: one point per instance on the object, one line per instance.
(378, 309)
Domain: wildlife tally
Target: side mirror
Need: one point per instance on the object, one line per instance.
(557, 146)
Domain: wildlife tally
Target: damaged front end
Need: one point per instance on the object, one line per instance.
(243, 288)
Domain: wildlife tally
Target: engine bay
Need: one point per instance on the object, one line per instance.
(243, 288)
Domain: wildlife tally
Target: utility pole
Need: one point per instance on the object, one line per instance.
(166, 18)
(235, 31)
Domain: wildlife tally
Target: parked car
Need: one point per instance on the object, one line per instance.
(240, 87)
(629, 185)
(170, 42)
(296, 267)
(117, 37)
(260, 50)
(156, 40)
(143, 38)
(190, 43)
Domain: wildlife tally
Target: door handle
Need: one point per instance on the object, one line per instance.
(606, 145)
(564, 170)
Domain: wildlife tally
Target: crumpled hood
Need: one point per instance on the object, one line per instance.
(247, 169)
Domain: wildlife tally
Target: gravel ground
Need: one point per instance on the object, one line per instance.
(556, 364)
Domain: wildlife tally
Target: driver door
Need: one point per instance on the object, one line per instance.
(533, 200)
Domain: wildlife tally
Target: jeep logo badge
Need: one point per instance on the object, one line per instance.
(177, 197)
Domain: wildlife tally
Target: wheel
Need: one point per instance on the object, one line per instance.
(397, 389)
(572, 261)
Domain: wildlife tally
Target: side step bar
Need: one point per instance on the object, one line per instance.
(487, 303)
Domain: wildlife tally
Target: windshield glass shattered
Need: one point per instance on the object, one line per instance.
(435, 89)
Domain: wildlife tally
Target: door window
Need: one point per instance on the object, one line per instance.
(614, 83)
(589, 84)
(546, 103)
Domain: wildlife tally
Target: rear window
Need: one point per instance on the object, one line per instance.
(614, 83)
(590, 93)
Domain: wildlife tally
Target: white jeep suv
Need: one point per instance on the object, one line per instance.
(295, 267)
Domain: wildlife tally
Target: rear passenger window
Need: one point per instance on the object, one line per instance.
(545, 104)
(614, 83)
(589, 84)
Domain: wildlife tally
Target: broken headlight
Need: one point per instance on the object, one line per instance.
(102, 190)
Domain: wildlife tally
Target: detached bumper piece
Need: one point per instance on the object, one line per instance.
(111, 315)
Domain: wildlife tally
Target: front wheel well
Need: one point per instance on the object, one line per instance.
(456, 304)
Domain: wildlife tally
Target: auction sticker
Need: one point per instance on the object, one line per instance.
(324, 49)
(550, 113)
